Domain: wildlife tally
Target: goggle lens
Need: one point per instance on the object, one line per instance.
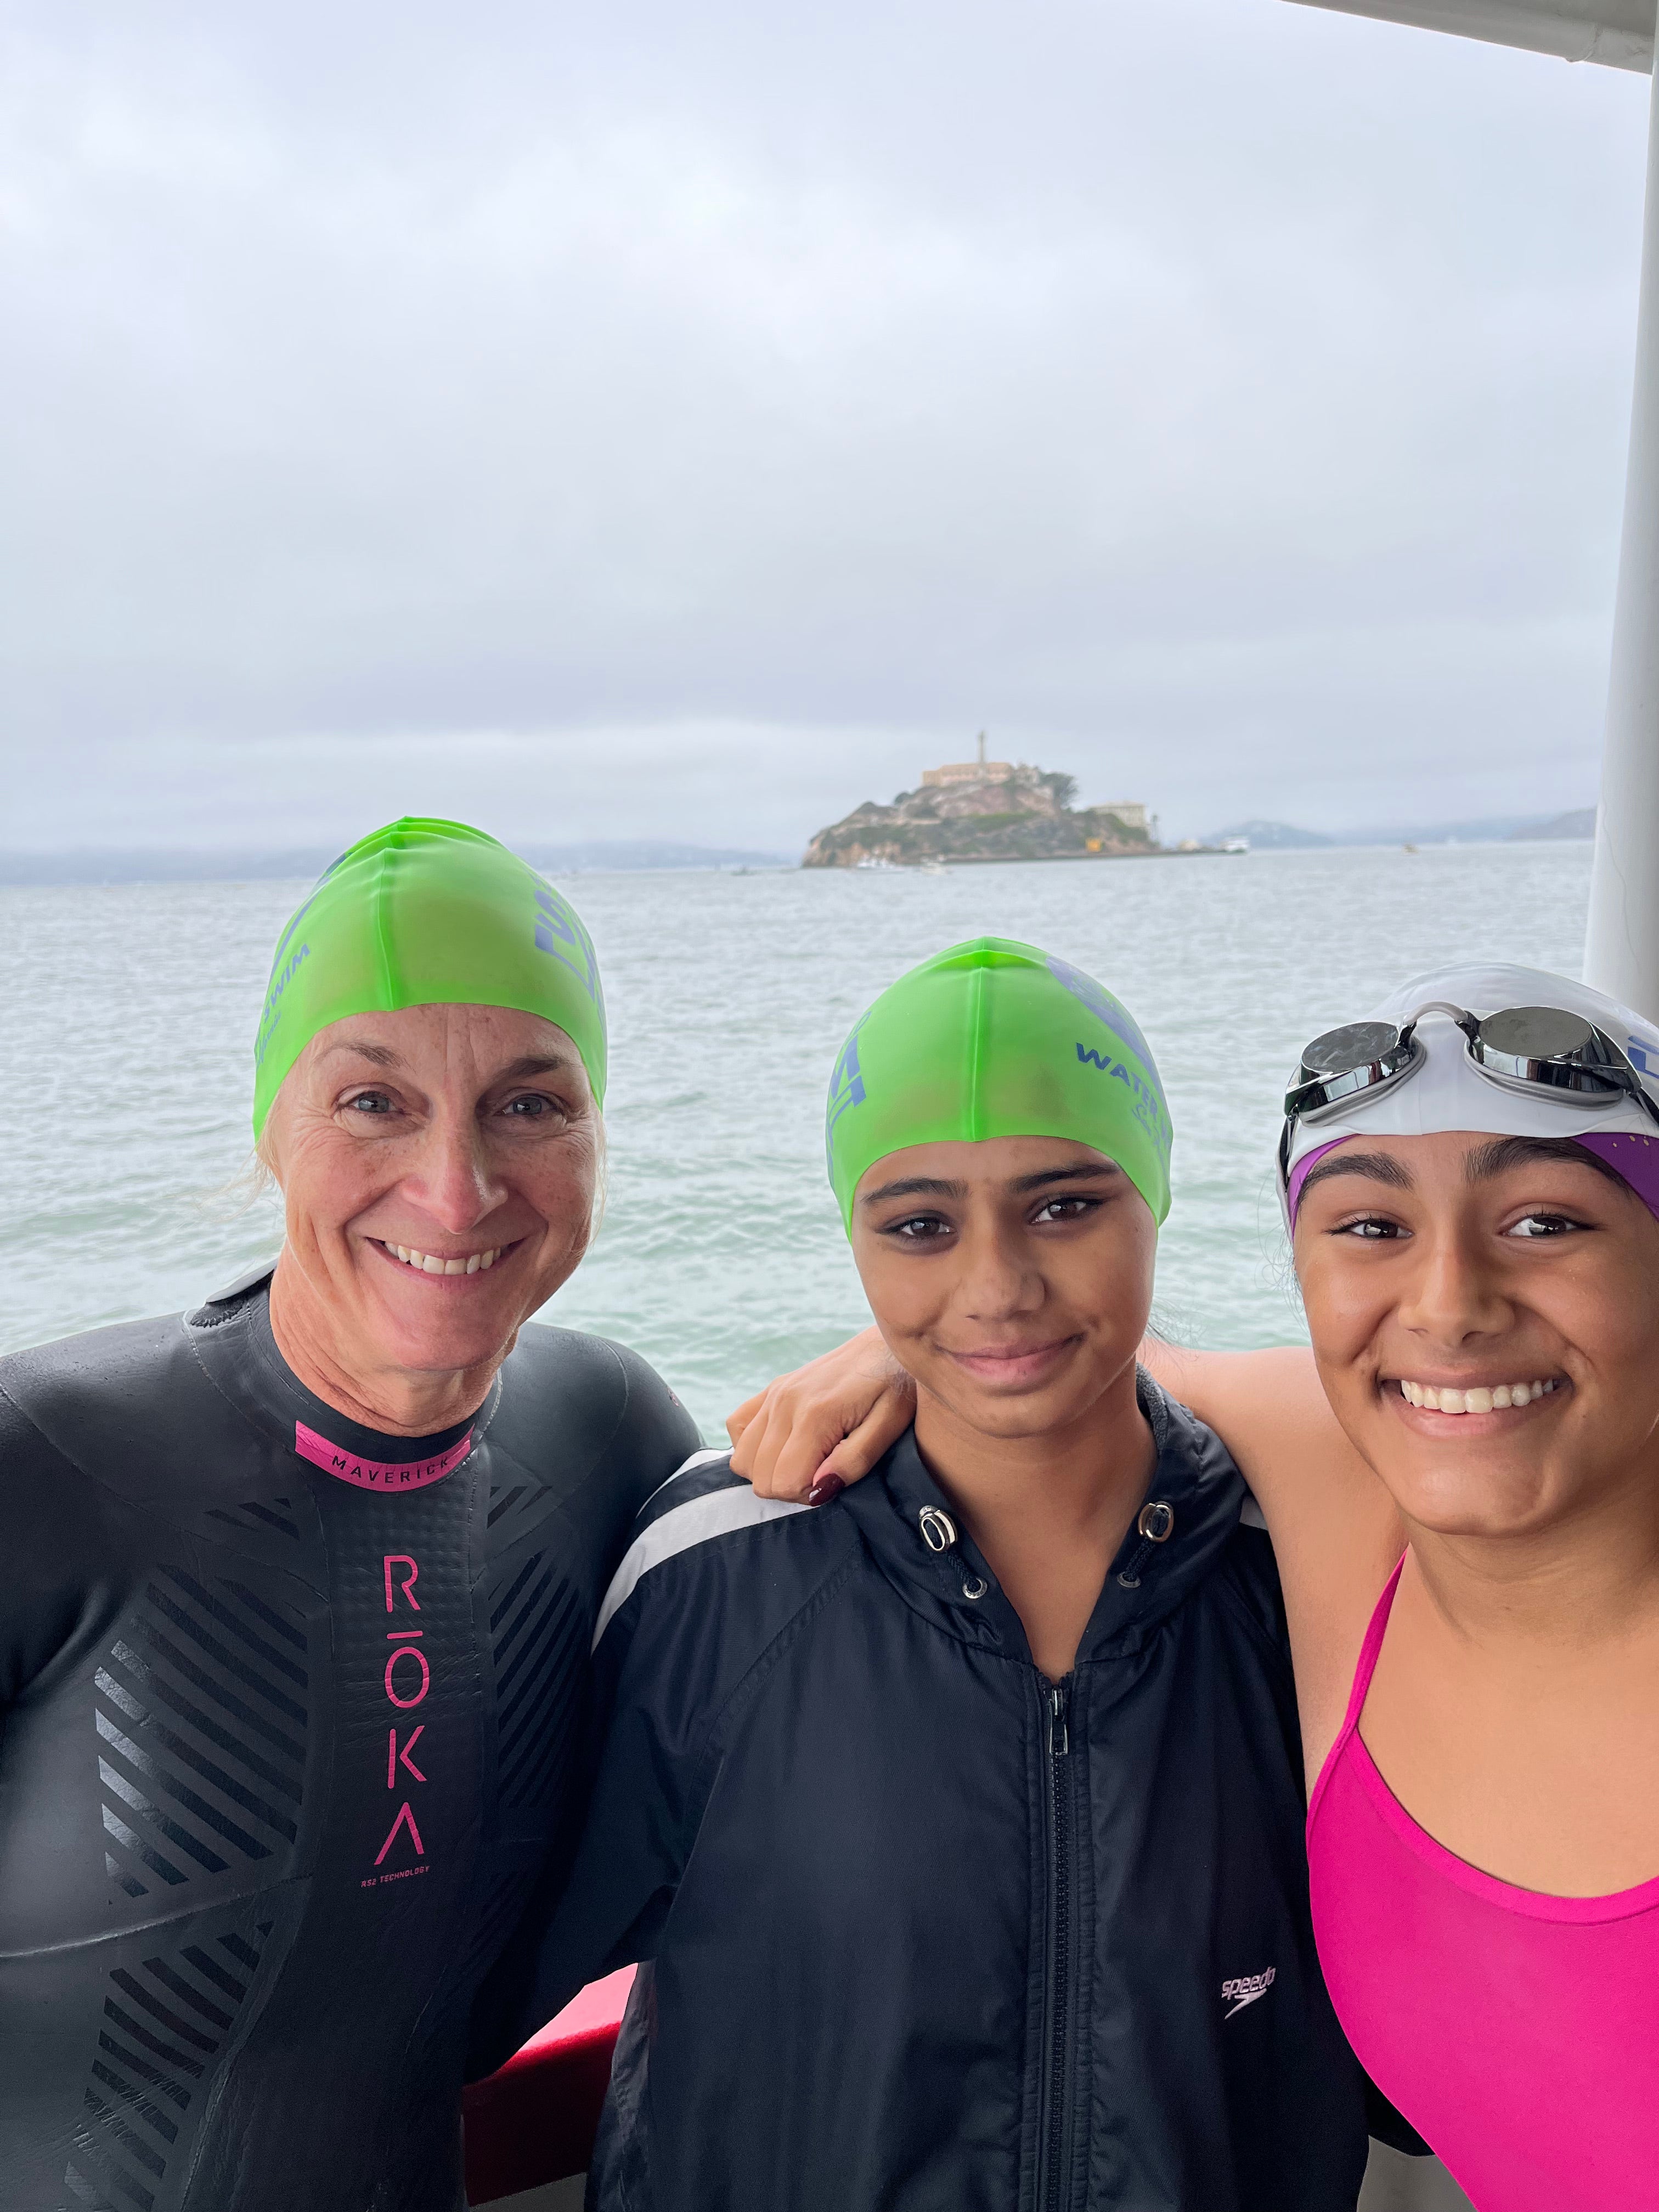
(1521, 1048)
(1341, 1052)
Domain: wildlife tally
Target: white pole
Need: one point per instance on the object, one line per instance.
(1621, 949)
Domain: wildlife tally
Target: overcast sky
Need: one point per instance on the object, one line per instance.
(642, 421)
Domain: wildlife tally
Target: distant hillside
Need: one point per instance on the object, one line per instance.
(304, 866)
(1579, 824)
(1489, 829)
(1492, 830)
(1020, 813)
(1270, 836)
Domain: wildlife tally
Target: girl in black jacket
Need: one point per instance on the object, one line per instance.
(959, 1825)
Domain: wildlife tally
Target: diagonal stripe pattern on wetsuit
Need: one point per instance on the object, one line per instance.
(165, 2022)
(191, 1761)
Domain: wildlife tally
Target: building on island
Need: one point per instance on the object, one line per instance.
(979, 771)
(984, 809)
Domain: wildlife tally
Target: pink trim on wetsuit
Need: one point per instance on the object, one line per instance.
(378, 1473)
(1516, 2031)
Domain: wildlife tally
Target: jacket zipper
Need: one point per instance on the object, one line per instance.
(1052, 2140)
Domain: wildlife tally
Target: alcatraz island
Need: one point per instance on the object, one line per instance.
(980, 810)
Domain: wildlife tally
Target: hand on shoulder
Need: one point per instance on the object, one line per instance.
(808, 1434)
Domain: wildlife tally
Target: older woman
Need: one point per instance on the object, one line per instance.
(296, 1591)
(1472, 1174)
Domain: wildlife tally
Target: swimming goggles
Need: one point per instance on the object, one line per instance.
(1536, 1051)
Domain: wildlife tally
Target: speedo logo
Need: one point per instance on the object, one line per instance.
(1245, 1989)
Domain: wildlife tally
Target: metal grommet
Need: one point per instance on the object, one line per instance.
(938, 1530)
(976, 1588)
(1130, 1582)
(1157, 1522)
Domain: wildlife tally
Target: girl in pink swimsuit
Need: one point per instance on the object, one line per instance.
(1515, 2026)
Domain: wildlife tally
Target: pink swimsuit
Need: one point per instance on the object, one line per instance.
(1518, 2032)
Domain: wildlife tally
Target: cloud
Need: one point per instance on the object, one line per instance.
(649, 424)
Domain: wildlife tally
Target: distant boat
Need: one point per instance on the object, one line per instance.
(931, 867)
(1235, 844)
(873, 860)
(1408, 848)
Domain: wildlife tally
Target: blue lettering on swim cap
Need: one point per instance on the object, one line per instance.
(294, 921)
(558, 928)
(1148, 1109)
(1105, 1009)
(273, 1011)
(846, 1091)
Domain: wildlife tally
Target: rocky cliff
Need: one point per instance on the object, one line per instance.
(1026, 815)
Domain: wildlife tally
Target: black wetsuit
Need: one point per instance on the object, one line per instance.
(290, 1735)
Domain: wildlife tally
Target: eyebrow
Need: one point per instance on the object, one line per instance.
(1375, 1167)
(935, 1187)
(1084, 1174)
(552, 1063)
(383, 1055)
(915, 1187)
(1504, 1153)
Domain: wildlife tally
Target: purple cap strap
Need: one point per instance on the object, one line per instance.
(1301, 1171)
(1634, 1159)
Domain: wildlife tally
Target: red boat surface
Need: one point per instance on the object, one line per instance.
(534, 2121)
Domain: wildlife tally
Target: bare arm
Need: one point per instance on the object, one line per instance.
(1334, 1530)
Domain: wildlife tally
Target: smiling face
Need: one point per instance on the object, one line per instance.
(438, 1168)
(1484, 1314)
(1012, 1279)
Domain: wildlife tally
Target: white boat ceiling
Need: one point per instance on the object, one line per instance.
(1617, 32)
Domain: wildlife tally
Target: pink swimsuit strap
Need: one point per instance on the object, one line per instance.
(1513, 2029)
(1362, 1684)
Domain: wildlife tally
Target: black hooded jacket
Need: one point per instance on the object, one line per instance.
(927, 1932)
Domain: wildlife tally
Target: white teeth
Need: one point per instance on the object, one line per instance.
(1481, 1400)
(426, 1263)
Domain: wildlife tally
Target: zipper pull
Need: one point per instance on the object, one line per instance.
(1059, 1743)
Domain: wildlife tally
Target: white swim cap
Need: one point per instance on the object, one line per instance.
(1448, 1091)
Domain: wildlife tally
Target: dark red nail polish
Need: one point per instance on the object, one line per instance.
(825, 1490)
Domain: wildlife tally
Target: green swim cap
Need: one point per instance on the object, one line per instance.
(997, 1039)
(422, 913)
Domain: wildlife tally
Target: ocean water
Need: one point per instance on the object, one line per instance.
(126, 1014)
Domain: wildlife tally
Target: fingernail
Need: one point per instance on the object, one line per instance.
(825, 1490)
